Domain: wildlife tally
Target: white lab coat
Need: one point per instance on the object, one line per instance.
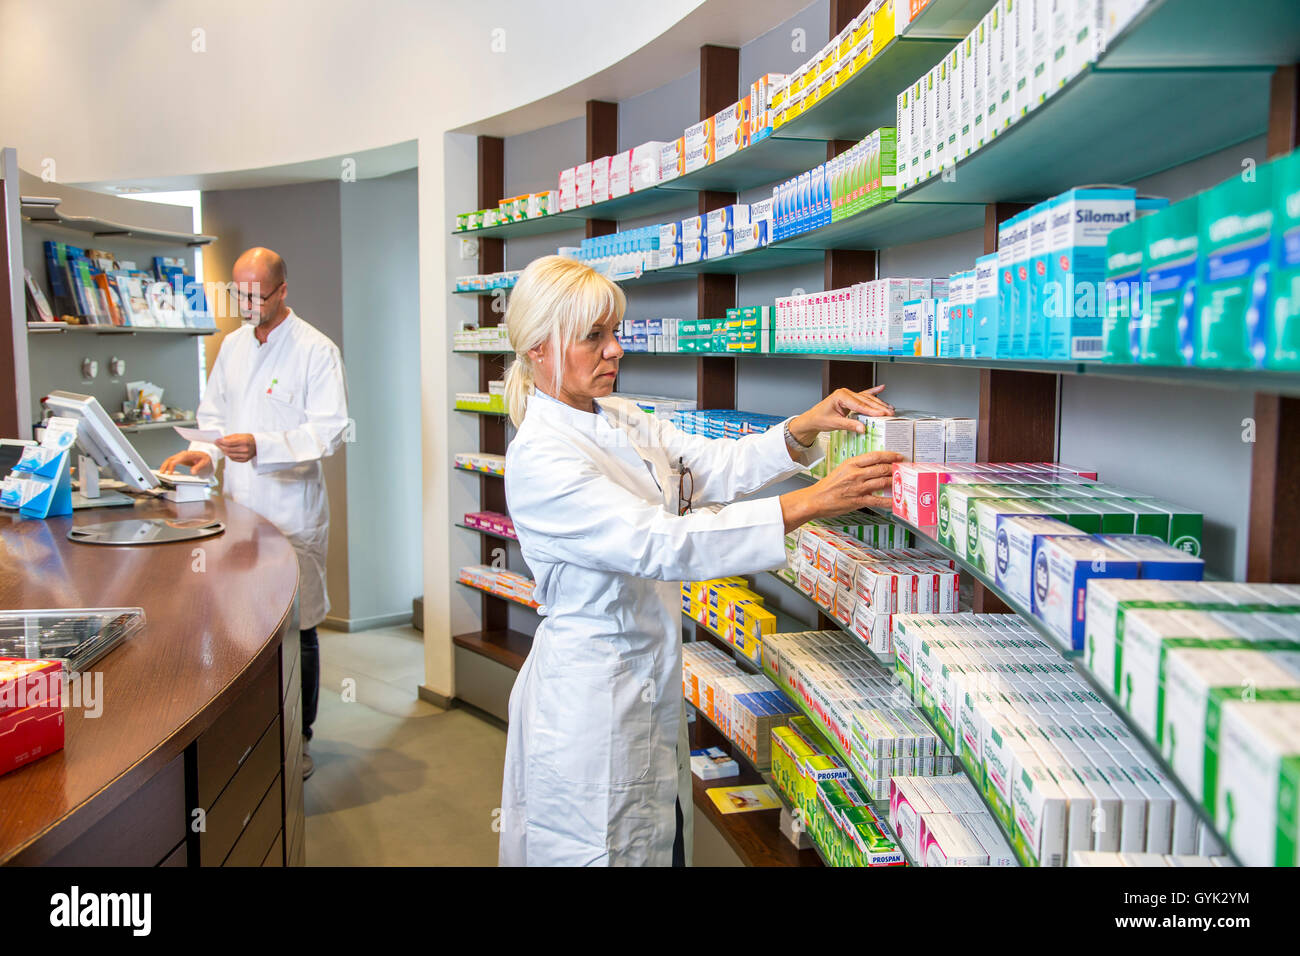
(596, 746)
(291, 396)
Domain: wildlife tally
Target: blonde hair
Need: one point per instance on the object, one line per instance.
(556, 301)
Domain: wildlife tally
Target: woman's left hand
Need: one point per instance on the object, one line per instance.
(833, 413)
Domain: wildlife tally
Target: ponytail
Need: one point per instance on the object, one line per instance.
(519, 383)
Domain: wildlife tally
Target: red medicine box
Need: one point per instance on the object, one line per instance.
(31, 711)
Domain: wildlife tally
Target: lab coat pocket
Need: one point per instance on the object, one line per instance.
(596, 722)
(281, 412)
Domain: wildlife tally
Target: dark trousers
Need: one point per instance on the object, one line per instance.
(679, 839)
(309, 655)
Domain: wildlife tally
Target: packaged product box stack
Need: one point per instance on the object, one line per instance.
(744, 707)
(731, 610)
(852, 182)
(488, 338)
(1059, 768)
(1220, 271)
(658, 405)
(1016, 58)
(917, 436)
(863, 587)
(867, 318)
(481, 461)
(724, 422)
(493, 521)
(487, 282)
(859, 706)
(508, 584)
(1094, 858)
(493, 400)
(650, 335)
(31, 711)
(847, 829)
(622, 254)
(942, 821)
(1177, 655)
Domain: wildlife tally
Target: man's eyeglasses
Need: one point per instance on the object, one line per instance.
(251, 297)
(685, 488)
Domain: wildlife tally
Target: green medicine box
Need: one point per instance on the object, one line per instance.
(1234, 232)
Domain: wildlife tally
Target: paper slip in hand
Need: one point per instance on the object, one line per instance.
(195, 434)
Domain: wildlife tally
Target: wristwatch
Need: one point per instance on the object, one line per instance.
(793, 443)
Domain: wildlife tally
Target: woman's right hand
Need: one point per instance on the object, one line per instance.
(854, 483)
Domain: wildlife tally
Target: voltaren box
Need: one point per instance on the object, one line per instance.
(672, 159)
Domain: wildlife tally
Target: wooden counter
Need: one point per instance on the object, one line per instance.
(196, 756)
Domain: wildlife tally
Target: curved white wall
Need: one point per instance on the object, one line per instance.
(115, 90)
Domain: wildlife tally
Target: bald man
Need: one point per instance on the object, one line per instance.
(278, 398)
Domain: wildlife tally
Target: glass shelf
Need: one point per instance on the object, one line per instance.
(495, 594)
(1254, 380)
(47, 328)
(476, 471)
(490, 534)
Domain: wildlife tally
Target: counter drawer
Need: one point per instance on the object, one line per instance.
(234, 809)
(141, 831)
(275, 855)
(225, 746)
(262, 830)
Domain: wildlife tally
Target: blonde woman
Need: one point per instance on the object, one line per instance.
(597, 769)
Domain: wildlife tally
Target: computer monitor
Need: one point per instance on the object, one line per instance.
(102, 440)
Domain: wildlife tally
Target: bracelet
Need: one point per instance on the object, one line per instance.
(793, 442)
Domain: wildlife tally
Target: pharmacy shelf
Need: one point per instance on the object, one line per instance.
(928, 535)
(880, 806)
(45, 210)
(890, 224)
(742, 837)
(868, 100)
(1108, 126)
(495, 594)
(46, 328)
(767, 161)
(1250, 380)
(157, 426)
(475, 471)
(509, 648)
(475, 411)
(485, 531)
(770, 160)
(483, 351)
(477, 292)
(755, 836)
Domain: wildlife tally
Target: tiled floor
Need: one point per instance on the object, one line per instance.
(398, 781)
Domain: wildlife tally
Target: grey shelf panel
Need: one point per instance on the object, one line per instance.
(869, 99)
(478, 292)
(46, 211)
(50, 328)
(156, 426)
(1108, 126)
